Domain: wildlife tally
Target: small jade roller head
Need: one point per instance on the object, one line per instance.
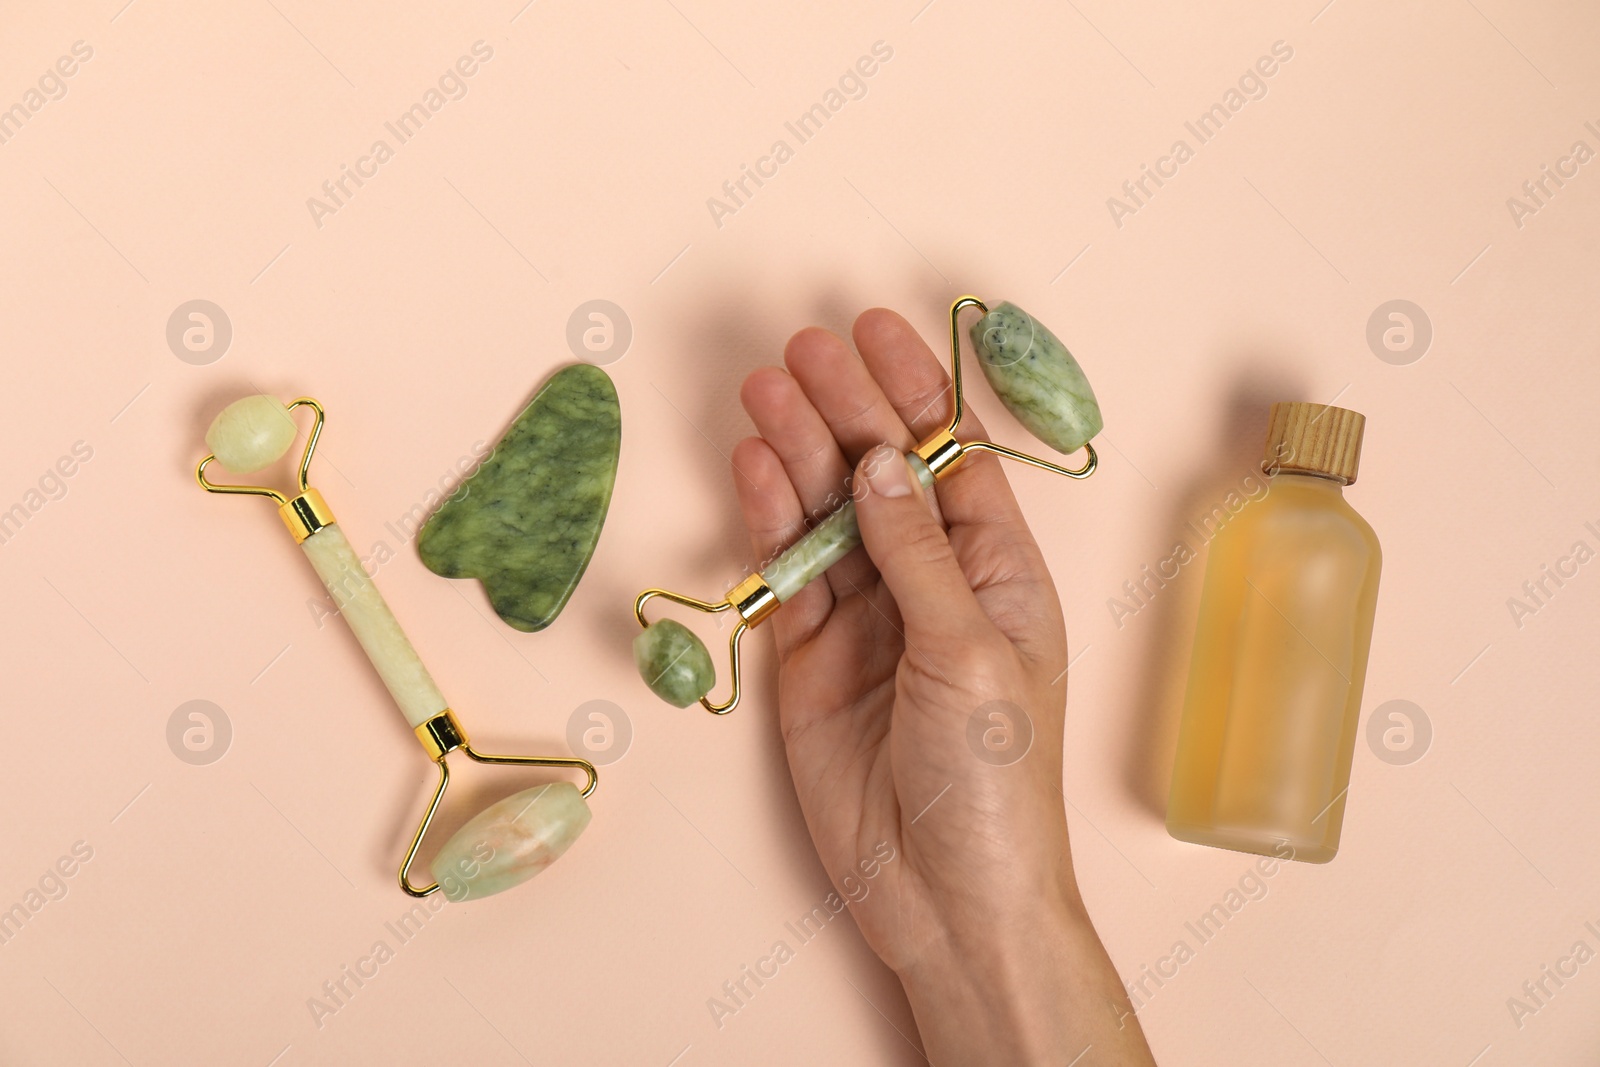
(674, 662)
(251, 433)
(1037, 380)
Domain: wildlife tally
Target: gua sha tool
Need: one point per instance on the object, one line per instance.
(1031, 372)
(511, 840)
(526, 523)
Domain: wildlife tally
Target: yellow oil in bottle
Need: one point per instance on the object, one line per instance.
(1272, 710)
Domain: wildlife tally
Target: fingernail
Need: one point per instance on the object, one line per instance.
(887, 473)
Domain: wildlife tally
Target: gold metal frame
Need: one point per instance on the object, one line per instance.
(306, 513)
(754, 600)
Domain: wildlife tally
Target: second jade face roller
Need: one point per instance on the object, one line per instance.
(506, 843)
(1031, 372)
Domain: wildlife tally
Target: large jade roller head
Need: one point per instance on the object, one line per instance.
(1031, 372)
(511, 840)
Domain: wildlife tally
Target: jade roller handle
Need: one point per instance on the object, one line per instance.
(364, 609)
(827, 543)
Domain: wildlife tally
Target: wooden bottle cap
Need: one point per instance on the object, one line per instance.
(1314, 439)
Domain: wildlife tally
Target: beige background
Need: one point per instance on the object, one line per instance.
(177, 166)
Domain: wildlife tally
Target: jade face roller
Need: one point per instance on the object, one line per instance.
(506, 843)
(1031, 372)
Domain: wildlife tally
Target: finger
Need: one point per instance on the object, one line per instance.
(845, 394)
(908, 372)
(784, 415)
(940, 614)
(772, 514)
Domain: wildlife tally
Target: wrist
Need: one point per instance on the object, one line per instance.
(1024, 989)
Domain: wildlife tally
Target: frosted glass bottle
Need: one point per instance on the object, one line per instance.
(1272, 710)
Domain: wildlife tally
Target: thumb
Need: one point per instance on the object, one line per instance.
(910, 547)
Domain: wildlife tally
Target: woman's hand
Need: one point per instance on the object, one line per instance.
(921, 688)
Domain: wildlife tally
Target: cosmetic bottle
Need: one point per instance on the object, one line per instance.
(1272, 709)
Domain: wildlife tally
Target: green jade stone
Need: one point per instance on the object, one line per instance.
(674, 663)
(526, 522)
(1036, 378)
